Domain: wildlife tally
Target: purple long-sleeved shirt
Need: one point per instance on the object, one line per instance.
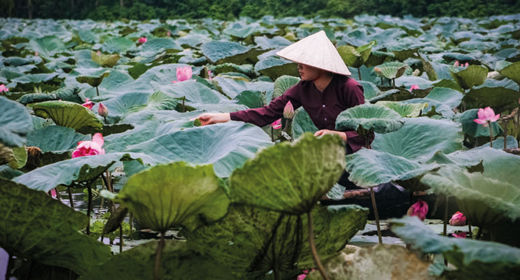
(323, 107)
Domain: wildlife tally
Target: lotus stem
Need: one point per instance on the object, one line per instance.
(158, 253)
(479, 233)
(131, 221)
(359, 73)
(121, 237)
(469, 228)
(71, 201)
(445, 220)
(97, 91)
(315, 255)
(505, 123)
(490, 135)
(89, 207)
(376, 215)
(272, 134)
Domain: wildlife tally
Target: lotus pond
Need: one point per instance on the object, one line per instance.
(236, 201)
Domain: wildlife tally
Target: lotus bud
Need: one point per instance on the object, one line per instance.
(419, 209)
(169, 33)
(277, 124)
(142, 40)
(466, 65)
(88, 104)
(458, 219)
(456, 64)
(377, 70)
(459, 234)
(184, 73)
(414, 87)
(102, 110)
(288, 110)
(36, 54)
(3, 88)
(98, 53)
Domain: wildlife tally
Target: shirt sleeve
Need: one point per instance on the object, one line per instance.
(269, 113)
(353, 97)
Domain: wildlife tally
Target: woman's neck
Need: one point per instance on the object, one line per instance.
(322, 81)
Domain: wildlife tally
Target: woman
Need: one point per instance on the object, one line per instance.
(325, 90)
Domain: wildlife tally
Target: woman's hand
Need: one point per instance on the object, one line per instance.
(341, 134)
(212, 118)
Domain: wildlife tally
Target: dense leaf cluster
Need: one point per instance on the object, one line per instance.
(149, 9)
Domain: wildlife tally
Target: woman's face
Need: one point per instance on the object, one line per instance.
(309, 73)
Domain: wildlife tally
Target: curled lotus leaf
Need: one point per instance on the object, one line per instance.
(392, 70)
(512, 72)
(473, 75)
(283, 83)
(15, 122)
(68, 114)
(372, 117)
(105, 60)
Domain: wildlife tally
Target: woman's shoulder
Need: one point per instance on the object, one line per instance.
(346, 81)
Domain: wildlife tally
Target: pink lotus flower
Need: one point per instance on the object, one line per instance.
(88, 104)
(169, 33)
(53, 193)
(459, 234)
(466, 65)
(210, 75)
(36, 54)
(90, 148)
(277, 124)
(102, 110)
(183, 74)
(458, 219)
(456, 64)
(304, 274)
(3, 88)
(98, 53)
(486, 116)
(142, 40)
(414, 87)
(419, 209)
(288, 110)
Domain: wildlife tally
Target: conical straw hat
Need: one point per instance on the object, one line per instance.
(318, 51)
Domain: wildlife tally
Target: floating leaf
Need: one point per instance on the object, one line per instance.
(369, 117)
(174, 194)
(67, 114)
(273, 179)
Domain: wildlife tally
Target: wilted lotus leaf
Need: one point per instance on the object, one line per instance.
(15, 122)
(283, 83)
(512, 72)
(105, 60)
(372, 117)
(485, 201)
(391, 70)
(473, 75)
(290, 178)
(174, 194)
(67, 114)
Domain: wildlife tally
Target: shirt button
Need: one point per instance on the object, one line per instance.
(325, 118)
(323, 106)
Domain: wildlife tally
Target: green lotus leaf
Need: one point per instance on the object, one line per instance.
(15, 157)
(499, 98)
(35, 78)
(154, 46)
(473, 259)
(443, 99)
(47, 46)
(420, 138)
(485, 201)
(193, 40)
(369, 117)
(252, 99)
(448, 84)
(283, 83)
(9, 173)
(370, 90)
(512, 72)
(246, 69)
(67, 114)
(271, 43)
(174, 194)
(226, 146)
(55, 139)
(369, 168)
(15, 123)
(232, 87)
(392, 70)
(66, 94)
(177, 262)
(93, 77)
(275, 67)
(195, 93)
(474, 129)
(32, 222)
(219, 52)
(71, 171)
(302, 123)
(251, 241)
(405, 110)
(117, 45)
(273, 179)
(473, 75)
(105, 60)
(355, 57)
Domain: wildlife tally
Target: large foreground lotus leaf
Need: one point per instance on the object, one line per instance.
(15, 123)
(499, 98)
(174, 194)
(67, 114)
(275, 67)
(177, 262)
(105, 60)
(405, 110)
(355, 57)
(56, 139)
(474, 129)
(473, 259)
(369, 168)
(283, 83)
(221, 51)
(369, 117)
(473, 75)
(421, 138)
(484, 200)
(37, 227)
(391, 70)
(227, 146)
(251, 241)
(512, 72)
(74, 170)
(290, 178)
